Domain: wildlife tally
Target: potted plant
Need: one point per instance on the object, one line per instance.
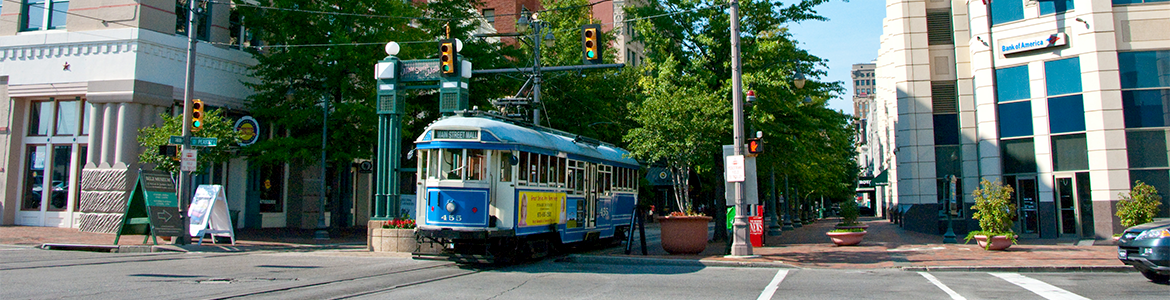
(849, 232)
(1140, 206)
(995, 212)
(396, 235)
(684, 233)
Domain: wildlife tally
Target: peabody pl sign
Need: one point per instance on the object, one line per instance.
(1033, 43)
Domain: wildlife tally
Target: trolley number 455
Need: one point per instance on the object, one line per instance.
(451, 218)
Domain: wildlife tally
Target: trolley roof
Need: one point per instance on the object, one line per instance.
(504, 135)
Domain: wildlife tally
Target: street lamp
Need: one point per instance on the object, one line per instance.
(949, 237)
(321, 233)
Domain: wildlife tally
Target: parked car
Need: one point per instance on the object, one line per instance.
(1147, 248)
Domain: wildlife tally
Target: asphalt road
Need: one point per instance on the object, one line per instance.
(29, 273)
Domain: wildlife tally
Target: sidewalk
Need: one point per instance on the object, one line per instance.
(888, 246)
(885, 246)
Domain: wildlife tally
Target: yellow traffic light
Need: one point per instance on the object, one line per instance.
(447, 57)
(591, 47)
(196, 114)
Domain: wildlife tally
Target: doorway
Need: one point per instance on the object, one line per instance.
(1074, 205)
(1028, 217)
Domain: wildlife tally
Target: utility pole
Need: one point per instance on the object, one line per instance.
(536, 38)
(739, 246)
(188, 94)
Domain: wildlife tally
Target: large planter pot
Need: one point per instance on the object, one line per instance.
(392, 240)
(684, 234)
(846, 238)
(999, 242)
(862, 227)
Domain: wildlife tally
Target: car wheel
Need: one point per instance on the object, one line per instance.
(1155, 277)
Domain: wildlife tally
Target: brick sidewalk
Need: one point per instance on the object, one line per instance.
(888, 246)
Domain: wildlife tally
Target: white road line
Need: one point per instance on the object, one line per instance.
(942, 286)
(772, 286)
(1045, 290)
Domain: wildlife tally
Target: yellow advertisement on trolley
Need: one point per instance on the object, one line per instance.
(541, 208)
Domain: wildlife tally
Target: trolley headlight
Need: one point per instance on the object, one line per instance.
(451, 207)
(1153, 234)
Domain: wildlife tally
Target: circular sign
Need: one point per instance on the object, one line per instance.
(248, 129)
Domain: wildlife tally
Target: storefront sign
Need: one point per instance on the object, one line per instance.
(1033, 43)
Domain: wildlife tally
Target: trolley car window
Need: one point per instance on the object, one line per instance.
(543, 169)
(433, 160)
(505, 166)
(561, 171)
(422, 164)
(452, 163)
(523, 177)
(580, 178)
(476, 166)
(534, 168)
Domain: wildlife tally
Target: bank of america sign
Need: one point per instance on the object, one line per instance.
(1030, 43)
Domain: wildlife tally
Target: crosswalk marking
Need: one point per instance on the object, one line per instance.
(772, 286)
(942, 286)
(1045, 290)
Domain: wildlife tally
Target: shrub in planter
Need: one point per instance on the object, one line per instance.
(994, 210)
(849, 214)
(1140, 206)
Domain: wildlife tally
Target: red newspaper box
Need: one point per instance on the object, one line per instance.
(756, 230)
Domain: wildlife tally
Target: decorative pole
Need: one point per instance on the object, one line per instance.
(739, 246)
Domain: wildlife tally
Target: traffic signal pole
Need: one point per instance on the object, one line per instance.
(184, 237)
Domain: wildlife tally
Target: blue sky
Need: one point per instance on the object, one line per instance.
(851, 35)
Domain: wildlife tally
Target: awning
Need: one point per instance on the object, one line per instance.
(882, 179)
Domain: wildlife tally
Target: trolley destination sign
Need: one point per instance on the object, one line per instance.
(457, 134)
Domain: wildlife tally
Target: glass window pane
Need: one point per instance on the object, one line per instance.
(85, 109)
(40, 117)
(1006, 11)
(1066, 114)
(947, 161)
(505, 166)
(1019, 156)
(57, 16)
(946, 129)
(1070, 152)
(1146, 108)
(1015, 119)
(271, 188)
(523, 176)
(83, 156)
(476, 164)
(67, 117)
(1146, 149)
(34, 15)
(1012, 84)
(1055, 6)
(1144, 69)
(1063, 76)
(60, 184)
(34, 177)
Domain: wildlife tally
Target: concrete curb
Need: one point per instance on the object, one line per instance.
(654, 261)
(1024, 269)
(104, 248)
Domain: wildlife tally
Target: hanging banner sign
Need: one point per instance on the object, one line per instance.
(208, 214)
(249, 130)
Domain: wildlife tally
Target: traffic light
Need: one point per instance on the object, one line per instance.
(755, 146)
(196, 114)
(171, 151)
(447, 66)
(591, 45)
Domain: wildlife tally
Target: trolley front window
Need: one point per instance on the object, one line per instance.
(476, 164)
(451, 163)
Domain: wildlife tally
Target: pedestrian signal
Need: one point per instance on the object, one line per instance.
(755, 146)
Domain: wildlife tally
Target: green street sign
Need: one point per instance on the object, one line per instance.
(177, 140)
(204, 142)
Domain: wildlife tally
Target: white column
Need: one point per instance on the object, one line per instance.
(97, 130)
(986, 120)
(110, 110)
(126, 144)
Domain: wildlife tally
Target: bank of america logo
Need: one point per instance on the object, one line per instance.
(1052, 39)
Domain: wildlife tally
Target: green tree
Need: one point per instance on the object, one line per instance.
(1139, 206)
(215, 126)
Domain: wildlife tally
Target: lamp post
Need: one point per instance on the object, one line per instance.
(949, 237)
(321, 233)
(739, 246)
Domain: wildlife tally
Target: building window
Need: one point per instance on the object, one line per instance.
(1146, 108)
(1012, 84)
(1003, 11)
(1055, 6)
(1147, 149)
(202, 15)
(1116, 2)
(1019, 156)
(1015, 119)
(1070, 152)
(1144, 69)
(946, 129)
(489, 15)
(43, 14)
(1066, 114)
(1063, 76)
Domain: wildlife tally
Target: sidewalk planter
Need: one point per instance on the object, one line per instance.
(999, 242)
(862, 227)
(846, 238)
(684, 234)
(392, 240)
